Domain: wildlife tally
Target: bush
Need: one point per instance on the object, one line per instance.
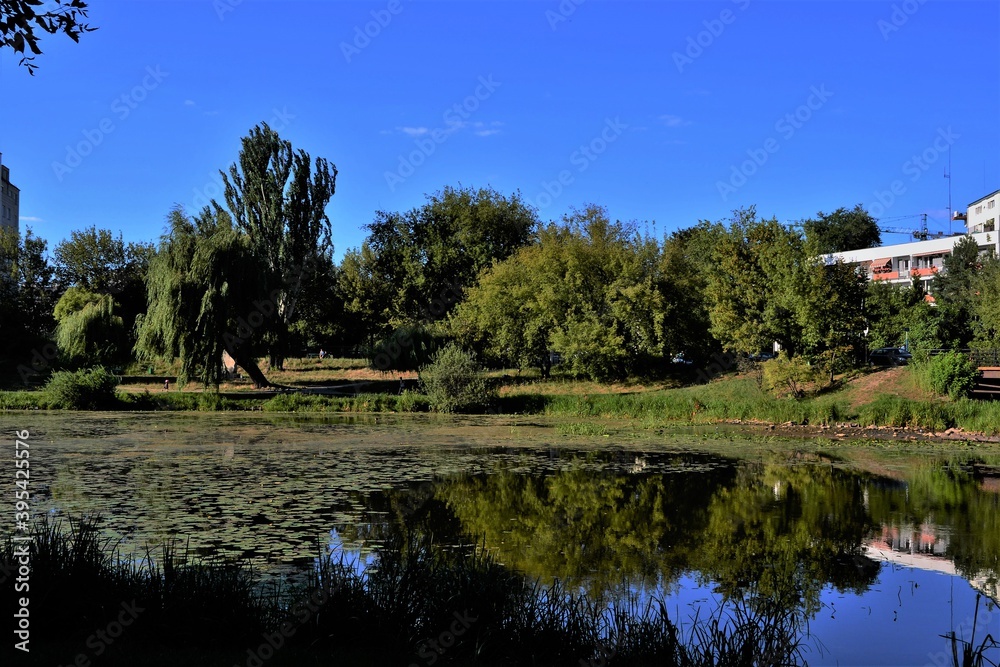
(791, 375)
(85, 389)
(454, 382)
(952, 373)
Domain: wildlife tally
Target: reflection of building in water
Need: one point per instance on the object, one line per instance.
(924, 547)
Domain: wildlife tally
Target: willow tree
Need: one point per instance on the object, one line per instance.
(202, 285)
(277, 199)
(90, 331)
(227, 280)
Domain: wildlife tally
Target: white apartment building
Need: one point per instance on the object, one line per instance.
(922, 259)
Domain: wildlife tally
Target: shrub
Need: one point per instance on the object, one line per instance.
(454, 382)
(952, 373)
(791, 375)
(85, 389)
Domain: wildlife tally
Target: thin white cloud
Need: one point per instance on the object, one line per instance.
(29, 218)
(673, 121)
(189, 103)
(487, 129)
(414, 131)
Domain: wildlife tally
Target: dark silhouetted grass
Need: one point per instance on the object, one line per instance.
(476, 610)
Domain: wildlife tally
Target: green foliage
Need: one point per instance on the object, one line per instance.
(22, 400)
(408, 348)
(95, 261)
(590, 290)
(89, 330)
(896, 314)
(408, 401)
(842, 230)
(752, 285)
(85, 389)
(23, 21)
(27, 293)
(952, 374)
(201, 283)
(955, 291)
(904, 413)
(414, 266)
(454, 382)
(791, 376)
(277, 197)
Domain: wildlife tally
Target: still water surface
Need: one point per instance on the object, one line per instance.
(881, 553)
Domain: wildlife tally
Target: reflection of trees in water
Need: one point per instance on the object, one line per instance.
(767, 530)
(949, 501)
(786, 531)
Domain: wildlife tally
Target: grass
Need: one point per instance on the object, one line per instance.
(416, 602)
(890, 398)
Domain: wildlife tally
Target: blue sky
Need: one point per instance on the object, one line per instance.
(668, 112)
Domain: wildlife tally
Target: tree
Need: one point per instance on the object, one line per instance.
(954, 291)
(89, 330)
(685, 260)
(842, 230)
(831, 313)
(757, 268)
(207, 294)
(19, 21)
(415, 265)
(229, 280)
(589, 290)
(277, 201)
(96, 261)
(27, 292)
(896, 314)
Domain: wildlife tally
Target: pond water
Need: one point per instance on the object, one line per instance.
(881, 551)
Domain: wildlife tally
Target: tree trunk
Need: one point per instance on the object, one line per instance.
(249, 364)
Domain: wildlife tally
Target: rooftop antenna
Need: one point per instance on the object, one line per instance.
(947, 175)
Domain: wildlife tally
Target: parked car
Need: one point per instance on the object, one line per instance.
(762, 356)
(889, 356)
(681, 359)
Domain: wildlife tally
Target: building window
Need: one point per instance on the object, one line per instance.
(990, 225)
(979, 209)
(991, 203)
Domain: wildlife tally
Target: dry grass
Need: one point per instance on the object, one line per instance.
(899, 382)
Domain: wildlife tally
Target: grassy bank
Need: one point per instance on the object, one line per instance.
(417, 604)
(885, 399)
